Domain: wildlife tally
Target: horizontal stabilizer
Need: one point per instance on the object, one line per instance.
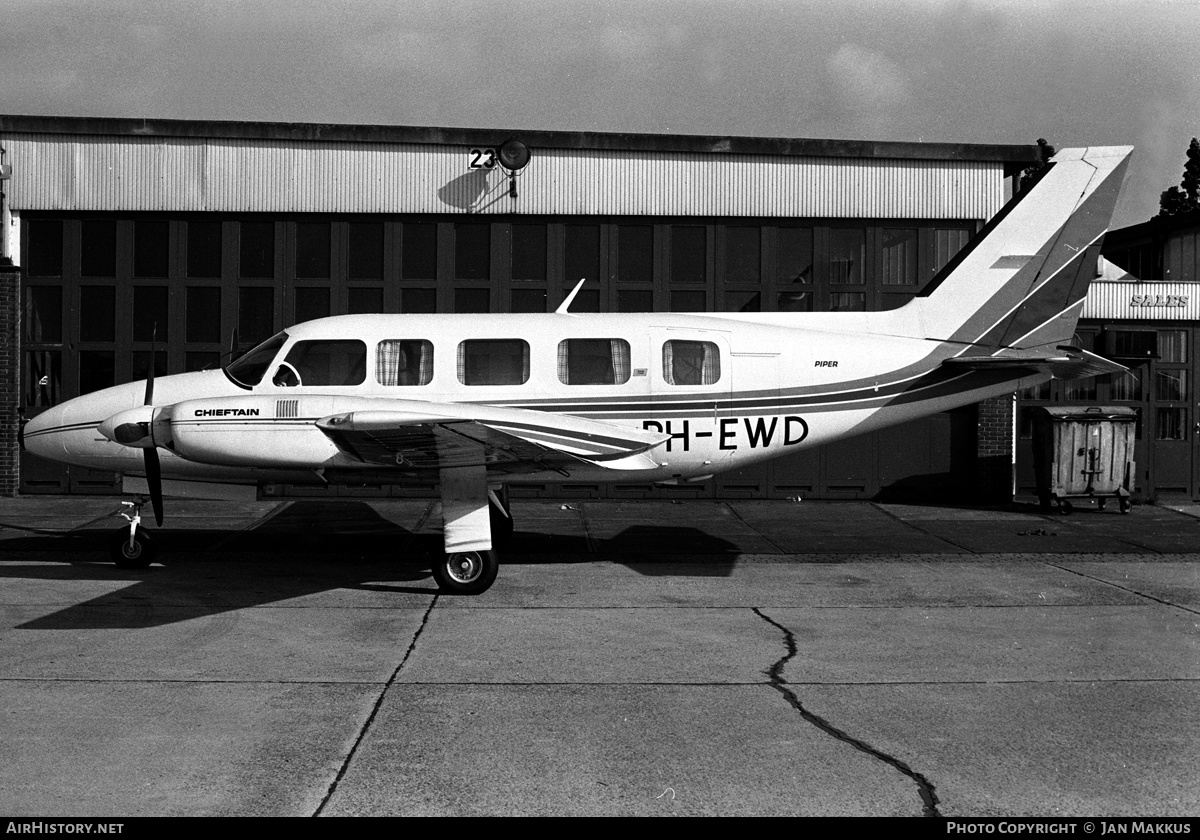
(1068, 363)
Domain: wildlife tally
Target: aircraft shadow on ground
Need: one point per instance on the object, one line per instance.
(307, 549)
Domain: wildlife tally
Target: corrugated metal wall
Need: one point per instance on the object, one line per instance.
(81, 173)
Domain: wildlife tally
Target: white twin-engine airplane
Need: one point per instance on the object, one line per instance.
(476, 402)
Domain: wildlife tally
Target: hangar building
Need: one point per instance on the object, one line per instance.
(135, 242)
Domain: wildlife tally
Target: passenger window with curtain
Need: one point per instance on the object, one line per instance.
(691, 363)
(404, 362)
(338, 363)
(593, 361)
(503, 361)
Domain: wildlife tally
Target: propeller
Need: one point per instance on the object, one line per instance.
(150, 453)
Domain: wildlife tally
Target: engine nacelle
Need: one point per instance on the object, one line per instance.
(253, 432)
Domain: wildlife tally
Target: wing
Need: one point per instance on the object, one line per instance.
(1067, 363)
(413, 435)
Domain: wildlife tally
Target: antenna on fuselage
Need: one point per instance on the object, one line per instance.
(566, 304)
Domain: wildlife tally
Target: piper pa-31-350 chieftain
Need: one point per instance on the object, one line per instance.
(476, 402)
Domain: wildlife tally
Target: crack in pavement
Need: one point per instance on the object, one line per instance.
(925, 788)
(362, 733)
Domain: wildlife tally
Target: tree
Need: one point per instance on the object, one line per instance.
(1034, 173)
(1178, 201)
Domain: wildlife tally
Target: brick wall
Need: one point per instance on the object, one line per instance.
(10, 386)
(993, 449)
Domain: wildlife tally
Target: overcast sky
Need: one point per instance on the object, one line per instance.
(1102, 72)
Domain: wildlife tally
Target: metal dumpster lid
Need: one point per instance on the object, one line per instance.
(1088, 412)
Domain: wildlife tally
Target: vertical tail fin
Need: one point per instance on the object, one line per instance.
(1021, 282)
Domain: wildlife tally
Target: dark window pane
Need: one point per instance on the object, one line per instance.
(98, 248)
(472, 251)
(1170, 424)
(141, 364)
(95, 370)
(366, 250)
(150, 321)
(635, 253)
(743, 301)
(1172, 346)
(583, 256)
(419, 251)
(418, 301)
(743, 257)
(203, 313)
(795, 302)
(201, 360)
(204, 249)
(529, 300)
(1080, 389)
(493, 362)
(1134, 343)
(588, 300)
(471, 300)
(846, 247)
(311, 303)
(43, 314)
(529, 252)
(365, 300)
(42, 382)
(794, 255)
(256, 314)
(45, 257)
(312, 250)
(688, 301)
(635, 300)
(1171, 385)
(98, 305)
(151, 247)
(947, 244)
(258, 250)
(687, 254)
(847, 302)
(899, 257)
(1126, 387)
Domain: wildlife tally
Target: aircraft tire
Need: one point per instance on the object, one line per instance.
(466, 572)
(138, 556)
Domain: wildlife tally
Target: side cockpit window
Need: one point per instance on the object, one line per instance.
(404, 362)
(593, 361)
(491, 361)
(249, 369)
(339, 363)
(691, 363)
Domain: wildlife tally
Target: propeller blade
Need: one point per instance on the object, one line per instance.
(150, 373)
(154, 480)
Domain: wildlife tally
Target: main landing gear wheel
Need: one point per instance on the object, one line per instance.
(139, 555)
(466, 572)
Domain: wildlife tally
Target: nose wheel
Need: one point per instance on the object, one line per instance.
(132, 548)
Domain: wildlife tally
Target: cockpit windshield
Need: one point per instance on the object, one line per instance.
(249, 370)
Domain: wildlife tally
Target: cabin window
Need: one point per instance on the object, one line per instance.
(691, 363)
(593, 361)
(503, 361)
(404, 362)
(342, 362)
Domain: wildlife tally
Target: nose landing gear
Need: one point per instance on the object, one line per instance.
(132, 548)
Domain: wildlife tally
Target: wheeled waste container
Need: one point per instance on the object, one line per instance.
(1084, 452)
